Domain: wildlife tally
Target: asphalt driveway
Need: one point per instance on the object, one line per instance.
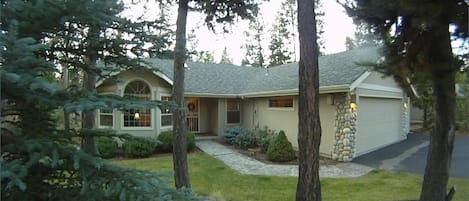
(410, 156)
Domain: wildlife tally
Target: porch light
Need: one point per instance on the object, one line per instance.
(353, 107)
(405, 106)
(137, 116)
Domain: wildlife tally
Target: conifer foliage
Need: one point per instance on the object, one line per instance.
(417, 45)
(40, 161)
(219, 11)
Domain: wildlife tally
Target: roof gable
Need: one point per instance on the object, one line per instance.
(335, 70)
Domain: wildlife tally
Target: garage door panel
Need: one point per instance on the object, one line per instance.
(378, 123)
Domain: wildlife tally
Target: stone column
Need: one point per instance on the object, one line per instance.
(345, 128)
(405, 127)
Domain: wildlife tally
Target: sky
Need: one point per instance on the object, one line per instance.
(337, 26)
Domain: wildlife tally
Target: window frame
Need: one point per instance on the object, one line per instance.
(282, 98)
(238, 110)
(100, 113)
(165, 114)
(150, 111)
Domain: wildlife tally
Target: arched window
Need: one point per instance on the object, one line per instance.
(137, 117)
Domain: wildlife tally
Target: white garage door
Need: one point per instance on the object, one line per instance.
(378, 123)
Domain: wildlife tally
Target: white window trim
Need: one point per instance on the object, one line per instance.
(292, 108)
(161, 114)
(152, 111)
(113, 114)
(99, 119)
(226, 113)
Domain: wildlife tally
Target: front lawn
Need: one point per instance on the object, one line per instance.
(212, 178)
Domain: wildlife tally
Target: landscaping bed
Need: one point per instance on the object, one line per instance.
(259, 155)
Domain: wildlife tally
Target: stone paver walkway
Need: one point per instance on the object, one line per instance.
(247, 165)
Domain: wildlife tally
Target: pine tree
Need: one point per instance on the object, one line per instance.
(363, 37)
(205, 57)
(40, 161)
(282, 42)
(319, 12)
(417, 43)
(283, 45)
(253, 45)
(309, 130)
(225, 57)
(216, 12)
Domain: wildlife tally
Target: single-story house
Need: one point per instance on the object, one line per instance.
(360, 110)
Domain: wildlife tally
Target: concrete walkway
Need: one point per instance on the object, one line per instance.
(249, 166)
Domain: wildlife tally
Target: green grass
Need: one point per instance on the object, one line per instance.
(210, 177)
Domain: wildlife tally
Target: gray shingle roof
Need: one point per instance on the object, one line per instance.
(334, 70)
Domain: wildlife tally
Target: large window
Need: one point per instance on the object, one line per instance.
(233, 115)
(137, 117)
(105, 118)
(281, 102)
(166, 115)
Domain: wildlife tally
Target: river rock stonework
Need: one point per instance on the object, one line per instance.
(345, 128)
(405, 118)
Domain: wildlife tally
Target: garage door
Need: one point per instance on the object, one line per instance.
(378, 123)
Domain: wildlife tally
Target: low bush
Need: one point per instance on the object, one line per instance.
(280, 149)
(230, 133)
(138, 148)
(265, 137)
(107, 146)
(257, 138)
(165, 140)
(247, 140)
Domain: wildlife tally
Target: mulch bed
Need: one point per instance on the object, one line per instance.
(260, 156)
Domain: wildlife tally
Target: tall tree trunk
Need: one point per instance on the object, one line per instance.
(425, 116)
(65, 86)
(437, 170)
(309, 127)
(181, 169)
(88, 143)
(467, 94)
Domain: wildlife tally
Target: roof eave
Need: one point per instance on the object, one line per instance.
(334, 89)
(210, 95)
(286, 92)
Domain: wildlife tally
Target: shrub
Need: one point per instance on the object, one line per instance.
(230, 133)
(247, 140)
(107, 146)
(265, 137)
(165, 140)
(280, 149)
(138, 148)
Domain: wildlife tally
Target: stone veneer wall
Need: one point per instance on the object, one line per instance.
(405, 118)
(345, 128)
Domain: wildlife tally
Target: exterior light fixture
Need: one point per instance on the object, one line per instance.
(137, 116)
(405, 105)
(353, 107)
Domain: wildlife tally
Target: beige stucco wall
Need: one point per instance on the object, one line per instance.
(208, 115)
(256, 114)
(221, 122)
(213, 118)
(157, 86)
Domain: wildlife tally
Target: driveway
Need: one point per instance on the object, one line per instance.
(410, 156)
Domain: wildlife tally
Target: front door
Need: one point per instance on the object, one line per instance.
(192, 105)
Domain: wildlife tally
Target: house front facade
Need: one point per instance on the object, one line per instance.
(360, 110)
